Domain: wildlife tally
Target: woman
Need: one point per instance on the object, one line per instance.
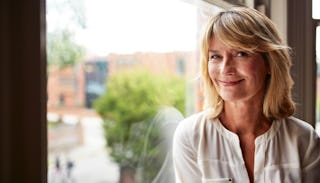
(246, 132)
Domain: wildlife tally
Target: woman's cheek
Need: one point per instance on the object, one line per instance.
(211, 71)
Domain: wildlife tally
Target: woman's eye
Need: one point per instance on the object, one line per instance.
(241, 54)
(214, 57)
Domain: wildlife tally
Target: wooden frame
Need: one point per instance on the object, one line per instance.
(301, 38)
(23, 91)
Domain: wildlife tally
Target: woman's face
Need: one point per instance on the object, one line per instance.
(236, 74)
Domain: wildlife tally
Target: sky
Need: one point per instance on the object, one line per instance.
(125, 26)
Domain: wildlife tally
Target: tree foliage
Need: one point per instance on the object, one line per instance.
(65, 17)
(131, 101)
(62, 49)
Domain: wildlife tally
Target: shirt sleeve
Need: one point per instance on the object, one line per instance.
(311, 164)
(185, 155)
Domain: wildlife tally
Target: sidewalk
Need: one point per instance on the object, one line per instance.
(92, 163)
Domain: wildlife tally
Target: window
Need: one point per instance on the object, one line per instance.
(145, 53)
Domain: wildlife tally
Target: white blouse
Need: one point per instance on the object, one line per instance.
(205, 151)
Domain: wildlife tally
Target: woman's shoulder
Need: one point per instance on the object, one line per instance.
(191, 122)
(191, 129)
(298, 126)
(192, 125)
(295, 129)
(308, 142)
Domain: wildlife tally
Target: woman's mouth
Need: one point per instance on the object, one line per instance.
(230, 82)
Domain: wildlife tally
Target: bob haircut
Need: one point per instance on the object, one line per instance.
(249, 30)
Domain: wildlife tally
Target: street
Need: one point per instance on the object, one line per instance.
(91, 163)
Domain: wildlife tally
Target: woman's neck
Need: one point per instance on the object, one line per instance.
(244, 118)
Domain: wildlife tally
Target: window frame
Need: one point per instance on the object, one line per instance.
(23, 91)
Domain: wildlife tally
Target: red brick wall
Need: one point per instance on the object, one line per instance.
(70, 81)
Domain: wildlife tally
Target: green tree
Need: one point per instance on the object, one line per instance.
(64, 18)
(62, 50)
(131, 101)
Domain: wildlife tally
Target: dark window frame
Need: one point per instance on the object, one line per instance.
(301, 31)
(23, 123)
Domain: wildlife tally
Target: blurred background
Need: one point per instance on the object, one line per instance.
(121, 75)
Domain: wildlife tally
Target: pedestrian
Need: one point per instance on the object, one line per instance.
(246, 132)
(57, 175)
(69, 167)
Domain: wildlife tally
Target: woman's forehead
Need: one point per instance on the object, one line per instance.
(215, 43)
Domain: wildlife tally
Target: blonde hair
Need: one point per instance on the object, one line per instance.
(250, 30)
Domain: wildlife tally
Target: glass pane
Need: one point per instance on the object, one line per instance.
(121, 74)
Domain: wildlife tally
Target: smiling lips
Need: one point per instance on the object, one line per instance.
(229, 83)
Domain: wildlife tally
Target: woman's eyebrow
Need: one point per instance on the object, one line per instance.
(213, 51)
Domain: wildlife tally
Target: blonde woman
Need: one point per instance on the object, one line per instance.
(246, 132)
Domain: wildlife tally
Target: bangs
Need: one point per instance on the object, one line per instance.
(237, 32)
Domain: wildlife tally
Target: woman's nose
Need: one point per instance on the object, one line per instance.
(227, 65)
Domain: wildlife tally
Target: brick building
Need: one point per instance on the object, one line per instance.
(79, 85)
